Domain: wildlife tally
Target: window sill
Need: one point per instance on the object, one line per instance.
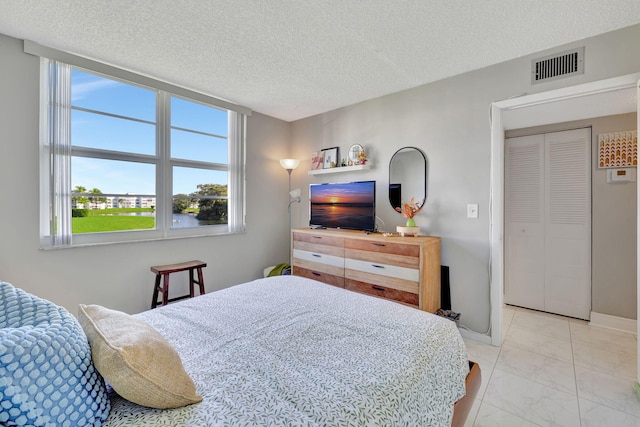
(46, 247)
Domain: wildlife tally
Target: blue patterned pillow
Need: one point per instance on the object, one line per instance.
(46, 374)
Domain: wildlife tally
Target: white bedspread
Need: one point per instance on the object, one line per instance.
(288, 351)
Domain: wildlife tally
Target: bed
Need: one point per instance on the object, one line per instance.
(280, 351)
(290, 351)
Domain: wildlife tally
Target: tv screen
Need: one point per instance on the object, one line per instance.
(350, 205)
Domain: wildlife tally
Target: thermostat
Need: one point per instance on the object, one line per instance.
(621, 175)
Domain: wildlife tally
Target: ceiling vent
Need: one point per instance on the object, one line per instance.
(558, 66)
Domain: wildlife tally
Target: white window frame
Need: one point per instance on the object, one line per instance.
(56, 233)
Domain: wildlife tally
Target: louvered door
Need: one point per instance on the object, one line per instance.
(568, 223)
(548, 222)
(524, 222)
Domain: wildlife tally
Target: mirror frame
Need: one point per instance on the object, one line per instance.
(424, 159)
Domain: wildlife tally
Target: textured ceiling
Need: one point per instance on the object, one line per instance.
(296, 58)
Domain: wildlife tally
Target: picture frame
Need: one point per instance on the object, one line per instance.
(331, 157)
(354, 153)
(317, 160)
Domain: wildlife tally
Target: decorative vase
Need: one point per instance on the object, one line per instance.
(410, 223)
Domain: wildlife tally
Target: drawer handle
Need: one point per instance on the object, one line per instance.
(317, 237)
(316, 255)
(378, 244)
(377, 288)
(315, 273)
(377, 266)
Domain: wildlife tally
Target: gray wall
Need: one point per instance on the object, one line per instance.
(450, 121)
(118, 276)
(613, 223)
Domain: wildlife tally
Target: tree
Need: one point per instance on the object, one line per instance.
(79, 200)
(95, 200)
(212, 209)
(181, 203)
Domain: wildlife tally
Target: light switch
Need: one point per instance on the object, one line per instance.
(472, 210)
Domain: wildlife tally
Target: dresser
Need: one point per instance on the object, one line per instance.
(402, 269)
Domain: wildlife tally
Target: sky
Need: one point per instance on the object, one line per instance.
(138, 136)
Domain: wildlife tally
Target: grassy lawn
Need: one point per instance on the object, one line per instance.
(100, 223)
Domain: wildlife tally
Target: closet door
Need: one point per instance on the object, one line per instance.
(548, 222)
(524, 222)
(568, 223)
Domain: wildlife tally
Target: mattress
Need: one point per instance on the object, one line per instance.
(290, 351)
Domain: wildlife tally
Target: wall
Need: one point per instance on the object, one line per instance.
(450, 121)
(613, 222)
(118, 276)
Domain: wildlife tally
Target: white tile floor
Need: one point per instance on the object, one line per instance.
(555, 371)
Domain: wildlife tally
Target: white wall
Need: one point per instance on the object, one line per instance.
(450, 121)
(118, 276)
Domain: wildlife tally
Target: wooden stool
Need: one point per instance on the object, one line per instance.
(166, 270)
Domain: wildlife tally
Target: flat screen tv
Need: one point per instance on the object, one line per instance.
(349, 205)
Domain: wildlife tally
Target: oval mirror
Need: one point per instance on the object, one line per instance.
(407, 177)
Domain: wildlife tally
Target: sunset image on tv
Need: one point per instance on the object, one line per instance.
(343, 205)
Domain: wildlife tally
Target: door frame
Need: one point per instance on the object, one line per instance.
(501, 113)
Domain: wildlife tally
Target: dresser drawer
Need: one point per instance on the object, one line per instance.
(385, 281)
(382, 291)
(299, 246)
(320, 276)
(398, 254)
(387, 247)
(318, 257)
(411, 274)
(318, 239)
(383, 258)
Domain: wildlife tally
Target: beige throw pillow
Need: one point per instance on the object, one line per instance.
(135, 359)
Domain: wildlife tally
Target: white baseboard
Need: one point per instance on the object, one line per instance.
(484, 339)
(614, 322)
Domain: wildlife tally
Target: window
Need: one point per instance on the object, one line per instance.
(126, 160)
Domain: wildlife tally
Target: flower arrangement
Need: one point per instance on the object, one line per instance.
(409, 210)
(362, 158)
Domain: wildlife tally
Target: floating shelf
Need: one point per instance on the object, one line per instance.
(340, 169)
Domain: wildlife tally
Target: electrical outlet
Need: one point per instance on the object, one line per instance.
(472, 210)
